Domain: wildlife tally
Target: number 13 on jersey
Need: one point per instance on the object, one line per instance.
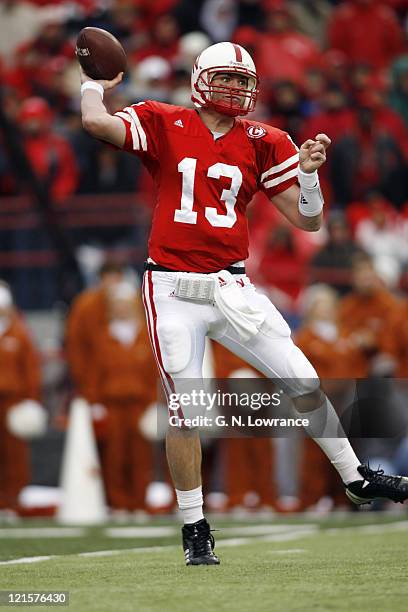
(186, 214)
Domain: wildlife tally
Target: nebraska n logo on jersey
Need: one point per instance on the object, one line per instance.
(256, 131)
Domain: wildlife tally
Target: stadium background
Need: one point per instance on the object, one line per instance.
(69, 203)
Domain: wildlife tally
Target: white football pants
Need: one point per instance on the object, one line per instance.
(178, 329)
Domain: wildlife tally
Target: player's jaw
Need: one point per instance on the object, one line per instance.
(228, 100)
(229, 93)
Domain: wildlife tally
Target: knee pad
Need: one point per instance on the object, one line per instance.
(175, 344)
(302, 377)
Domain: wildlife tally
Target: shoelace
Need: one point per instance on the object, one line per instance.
(378, 477)
(200, 541)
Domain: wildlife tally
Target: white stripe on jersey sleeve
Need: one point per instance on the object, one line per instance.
(282, 179)
(140, 130)
(285, 164)
(124, 116)
(133, 129)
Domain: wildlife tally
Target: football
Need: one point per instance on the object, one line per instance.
(100, 54)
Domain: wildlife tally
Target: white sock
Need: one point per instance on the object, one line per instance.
(326, 430)
(191, 504)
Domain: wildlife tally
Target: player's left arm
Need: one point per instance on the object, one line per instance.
(303, 205)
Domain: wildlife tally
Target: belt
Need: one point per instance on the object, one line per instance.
(157, 268)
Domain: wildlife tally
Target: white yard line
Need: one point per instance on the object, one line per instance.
(42, 532)
(370, 529)
(297, 532)
(253, 530)
(140, 549)
(151, 531)
(27, 560)
(288, 551)
(309, 530)
(140, 532)
(159, 531)
(281, 537)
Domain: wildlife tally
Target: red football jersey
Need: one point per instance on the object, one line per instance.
(204, 185)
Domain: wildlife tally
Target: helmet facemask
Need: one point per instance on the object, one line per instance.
(230, 105)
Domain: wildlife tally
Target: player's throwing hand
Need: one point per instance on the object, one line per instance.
(105, 84)
(312, 153)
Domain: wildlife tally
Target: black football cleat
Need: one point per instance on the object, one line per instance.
(198, 544)
(377, 485)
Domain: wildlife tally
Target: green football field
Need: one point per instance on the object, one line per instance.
(358, 562)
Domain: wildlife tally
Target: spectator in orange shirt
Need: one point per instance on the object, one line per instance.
(248, 461)
(332, 352)
(400, 334)
(367, 317)
(19, 380)
(336, 359)
(122, 378)
(88, 315)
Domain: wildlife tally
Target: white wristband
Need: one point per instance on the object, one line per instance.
(92, 85)
(308, 180)
(310, 199)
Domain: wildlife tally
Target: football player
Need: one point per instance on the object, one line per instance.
(207, 163)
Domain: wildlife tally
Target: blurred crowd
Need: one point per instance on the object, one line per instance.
(339, 67)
